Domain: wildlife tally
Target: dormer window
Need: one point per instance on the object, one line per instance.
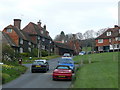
(100, 40)
(29, 43)
(9, 30)
(41, 31)
(38, 37)
(43, 39)
(108, 33)
(21, 41)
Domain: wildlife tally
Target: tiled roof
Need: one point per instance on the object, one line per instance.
(18, 31)
(114, 33)
(8, 39)
(34, 29)
(61, 45)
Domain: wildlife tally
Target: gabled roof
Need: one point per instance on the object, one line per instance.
(7, 39)
(18, 31)
(61, 45)
(114, 33)
(27, 36)
(34, 29)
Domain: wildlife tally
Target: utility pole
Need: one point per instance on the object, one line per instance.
(39, 48)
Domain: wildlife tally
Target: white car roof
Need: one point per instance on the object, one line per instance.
(42, 60)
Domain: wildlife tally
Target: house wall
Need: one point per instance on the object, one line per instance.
(105, 42)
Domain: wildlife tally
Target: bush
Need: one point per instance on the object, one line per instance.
(24, 54)
(34, 52)
(44, 53)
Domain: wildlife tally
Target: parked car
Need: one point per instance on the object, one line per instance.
(62, 72)
(66, 55)
(68, 62)
(82, 53)
(40, 65)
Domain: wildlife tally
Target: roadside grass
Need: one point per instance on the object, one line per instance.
(11, 70)
(102, 72)
(26, 60)
(86, 49)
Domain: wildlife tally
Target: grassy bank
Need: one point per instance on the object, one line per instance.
(27, 60)
(102, 72)
(11, 70)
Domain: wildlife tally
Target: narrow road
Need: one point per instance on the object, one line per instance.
(38, 80)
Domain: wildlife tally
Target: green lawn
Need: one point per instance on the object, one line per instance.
(10, 71)
(102, 72)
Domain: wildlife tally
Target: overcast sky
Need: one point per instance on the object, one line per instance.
(70, 16)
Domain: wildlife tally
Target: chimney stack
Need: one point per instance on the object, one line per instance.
(39, 23)
(44, 27)
(17, 23)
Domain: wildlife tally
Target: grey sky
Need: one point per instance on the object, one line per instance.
(70, 16)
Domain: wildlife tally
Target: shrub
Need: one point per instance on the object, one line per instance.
(44, 53)
(24, 54)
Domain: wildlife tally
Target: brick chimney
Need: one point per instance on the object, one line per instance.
(39, 23)
(17, 23)
(44, 27)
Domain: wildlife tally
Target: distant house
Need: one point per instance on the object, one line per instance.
(75, 45)
(61, 48)
(109, 40)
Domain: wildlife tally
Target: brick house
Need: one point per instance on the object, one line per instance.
(109, 40)
(40, 36)
(15, 36)
(27, 39)
(61, 48)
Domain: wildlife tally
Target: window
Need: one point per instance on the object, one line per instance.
(29, 49)
(43, 47)
(43, 39)
(116, 38)
(21, 41)
(29, 43)
(119, 30)
(38, 37)
(9, 30)
(109, 40)
(41, 31)
(100, 40)
(108, 33)
(21, 50)
(50, 41)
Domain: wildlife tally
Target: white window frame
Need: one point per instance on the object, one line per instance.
(108, 33)
(21, 41)
(116, 38)
(42, 32)
(9, 30)
(29, 49)
(29, 43)
(110, 40)
(43, 39)
(100, 40)
(21, 50)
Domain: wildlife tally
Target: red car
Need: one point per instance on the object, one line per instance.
(62, 72)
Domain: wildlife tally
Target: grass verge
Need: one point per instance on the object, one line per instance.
(102, 72)
(11, 70)
(27, 60)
